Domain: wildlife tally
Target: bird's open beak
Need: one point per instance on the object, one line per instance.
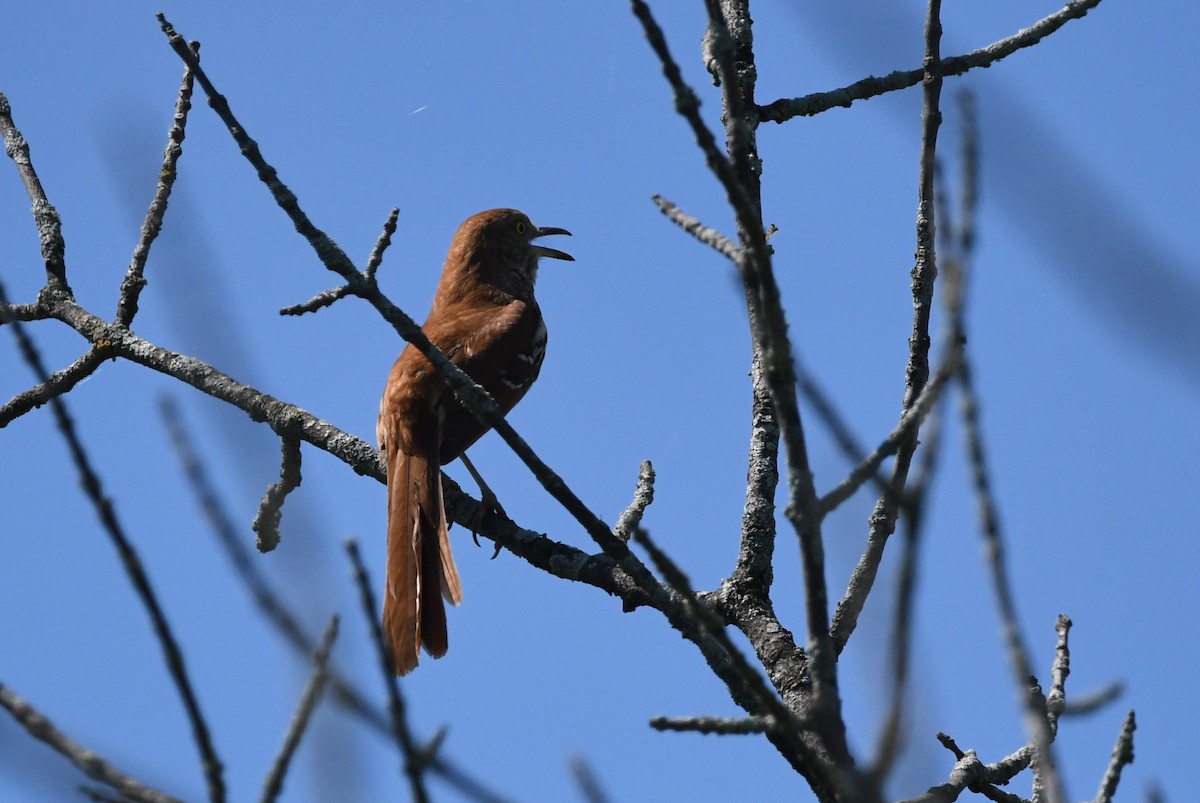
(553, 253)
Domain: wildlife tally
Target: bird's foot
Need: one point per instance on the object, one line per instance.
(487, 504)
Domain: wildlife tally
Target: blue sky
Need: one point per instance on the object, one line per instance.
(1083, 330)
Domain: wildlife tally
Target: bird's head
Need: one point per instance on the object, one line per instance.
(499, 243)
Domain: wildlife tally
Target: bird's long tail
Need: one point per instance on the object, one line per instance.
(420, 567)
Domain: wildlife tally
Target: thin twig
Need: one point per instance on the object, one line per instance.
(882, 522)
(964, 222)
(323, 299)
(1040, 713)
(823, 406)
(1036, 723)
(470, 788)
(955, 256)
(309, 698)
(385, 239)
(91, 764)
(705, 234)
(910, 420)
(588, 784)
(1091, 702)
(1056, 699)
(643, 495)
(1121, 756)
(327, 297)
(133, 566)
(57, 384)
(785, 109)
(724, 726)
(135, 280)
(45, 216)
(688, 106)
(270, 509)
(415, 763)
(890, 742)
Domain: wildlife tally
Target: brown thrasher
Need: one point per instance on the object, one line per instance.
(485, 320)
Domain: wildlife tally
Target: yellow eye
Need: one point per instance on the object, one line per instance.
(520, 227)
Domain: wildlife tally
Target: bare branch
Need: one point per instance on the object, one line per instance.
(451, 774)
(754, 572)
(1036, 723)
(309, 698)
(688, 106)
(890, 743)
(268, 601)
(1122, 755)
(882, 522)
(964, 223)
(22, 312)
(823, 406)
(954, 260)
(133, 566)
(57, 384)
(385, 239)
(1082, 704)
(327, 297)
(631, 519)
(589, 786)
(415, 763)
(1056, 699)
(992, 775)
(345, 692)
(270, 510)
(323, 299)
(965, 770)
(327, 250)
(968, 773)
(737, 175)
(45, 216)
(135, 279)
(709, 236)
(785, 109)
(910, 420)
(724, 726)
(91, 764)
(765, 699)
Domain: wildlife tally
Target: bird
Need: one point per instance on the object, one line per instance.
(485, 319)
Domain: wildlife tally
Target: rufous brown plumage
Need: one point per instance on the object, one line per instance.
(486, 321)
